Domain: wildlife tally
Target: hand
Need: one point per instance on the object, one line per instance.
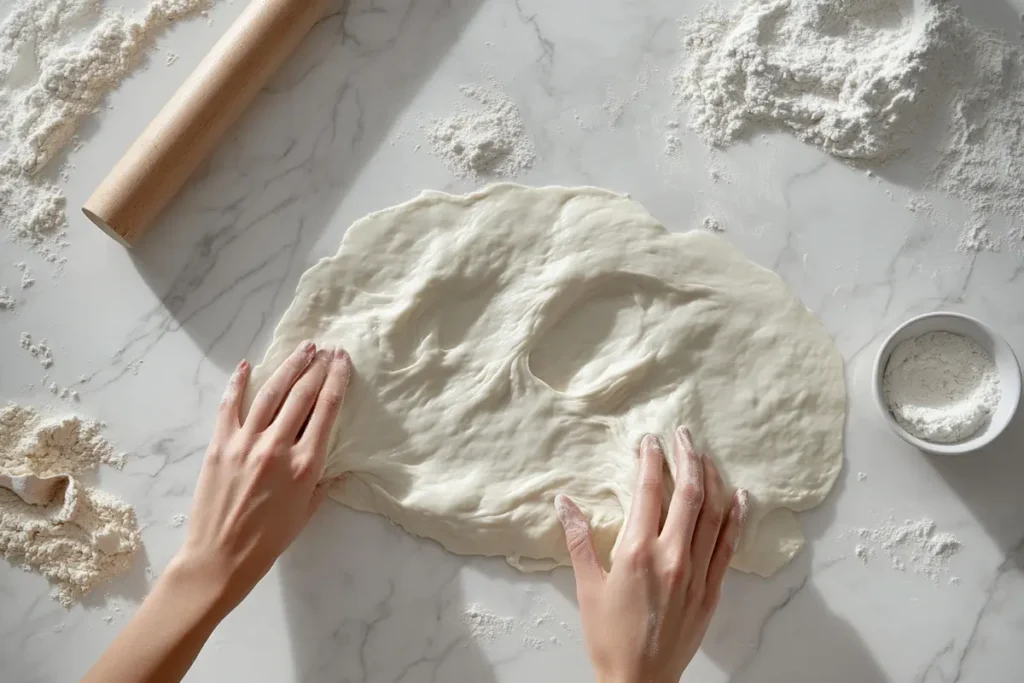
(259, 483)
(644, 620)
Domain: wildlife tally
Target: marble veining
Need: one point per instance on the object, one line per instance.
(334, 136)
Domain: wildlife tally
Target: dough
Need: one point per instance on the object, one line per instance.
(518, 342)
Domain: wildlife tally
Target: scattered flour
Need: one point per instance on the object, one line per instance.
(39, 350)
(7, 302)
(861, 476)
(913, 544)
(940, 387)
(26, 274)
(858, 79)
(615, 106)
(536, 632)
(485, 626)
(80, 539)
(712, 224)
(487, 142)
(49, 82)
(863, 553)
(178, 521)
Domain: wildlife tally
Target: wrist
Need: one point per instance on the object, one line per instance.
(197, 584)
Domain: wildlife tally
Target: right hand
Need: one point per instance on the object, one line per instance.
(644, 620)
(260, 481)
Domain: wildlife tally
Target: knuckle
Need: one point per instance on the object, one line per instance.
(576, 540)
(650, 483)
(331, 399)
(692, 493)
(640, 555)
(676, 573)
(713, 519)
(304, 471)
(269, 395)
(304, 395)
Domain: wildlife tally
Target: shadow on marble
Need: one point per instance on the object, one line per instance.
(367, 602)
(781, 628)
(989, 484)
(795, 638)
(225, 257)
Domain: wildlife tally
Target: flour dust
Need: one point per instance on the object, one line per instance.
(916, 546)
(861, 79)
(51, 79)
(84, 537)
(537, 631)
(486, 141)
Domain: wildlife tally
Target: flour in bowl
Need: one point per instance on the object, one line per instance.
(941, 387)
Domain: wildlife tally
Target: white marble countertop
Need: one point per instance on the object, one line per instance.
(335, 136)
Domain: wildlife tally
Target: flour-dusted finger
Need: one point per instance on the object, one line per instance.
(270, 396)
(315, 440)
(684, 508)
(712, 516)
(728, 540)
(229, 415)
(585, 563)
(298, 404)
(645, 512)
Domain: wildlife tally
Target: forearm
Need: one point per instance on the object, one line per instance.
(171, 627)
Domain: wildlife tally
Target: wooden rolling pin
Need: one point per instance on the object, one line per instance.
(185, 131)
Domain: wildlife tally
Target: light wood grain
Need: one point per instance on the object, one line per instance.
(185, 131)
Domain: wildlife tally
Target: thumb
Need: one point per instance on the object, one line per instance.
(585, 564)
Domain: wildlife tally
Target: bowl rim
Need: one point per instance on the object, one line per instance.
(972, 443)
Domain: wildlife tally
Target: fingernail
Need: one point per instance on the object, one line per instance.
(563, 508)
(649, 442)
(684, 434)
(243, 365)
(743, 502)
(743, 506)
(307, 346)
(340, 353)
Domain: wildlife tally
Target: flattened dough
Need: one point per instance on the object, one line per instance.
(518, 342)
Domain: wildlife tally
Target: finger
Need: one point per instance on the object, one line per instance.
(728, 540)
(270, 396)
(229, 415)
(317, 437)
(301, 397)
(585, 563)
(709, 523)
(645, 512)
(684, 509)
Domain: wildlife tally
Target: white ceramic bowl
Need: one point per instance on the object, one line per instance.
(995, 345)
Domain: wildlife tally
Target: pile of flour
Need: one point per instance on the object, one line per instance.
(84, 536)
(488, 142)
(941, 387)
(50, 80)
(914, 545)
(857, 78)
(848, 77)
